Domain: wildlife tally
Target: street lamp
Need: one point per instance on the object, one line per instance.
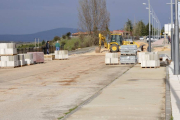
(176, 41)
(172, 32)
(35, 42)
(149, 25)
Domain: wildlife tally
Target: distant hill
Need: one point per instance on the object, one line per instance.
(44, 35)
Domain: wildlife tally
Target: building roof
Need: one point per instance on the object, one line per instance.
(121, 31)
(82, 33)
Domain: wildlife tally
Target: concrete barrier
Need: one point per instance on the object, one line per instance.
(38, 57)
(149, 60)
(111, 58)
(8, 49)
(9, 61)
(62, 54)
(28, 58)
(21, 59)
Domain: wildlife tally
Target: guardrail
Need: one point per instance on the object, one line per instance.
(40, 49)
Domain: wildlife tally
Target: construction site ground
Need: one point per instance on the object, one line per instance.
(54, 89)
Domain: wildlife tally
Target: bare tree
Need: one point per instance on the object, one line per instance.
(94, 17)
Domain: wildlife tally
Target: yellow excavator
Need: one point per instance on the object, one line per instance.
(115, 43)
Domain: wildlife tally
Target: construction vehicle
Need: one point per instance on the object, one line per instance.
(114, 44)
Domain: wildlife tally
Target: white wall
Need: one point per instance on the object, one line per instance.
(167, 29)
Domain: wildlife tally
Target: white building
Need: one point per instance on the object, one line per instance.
(167, 29)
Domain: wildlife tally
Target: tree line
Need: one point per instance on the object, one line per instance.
(139, 28)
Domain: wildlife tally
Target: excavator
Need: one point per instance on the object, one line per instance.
(114, 44)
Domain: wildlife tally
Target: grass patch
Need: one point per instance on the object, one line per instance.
(75, 43)
(60, 118)
(171, 118)
(70, 110)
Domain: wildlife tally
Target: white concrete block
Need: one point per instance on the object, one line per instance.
(61, 56)
(9, 58)
(144, 63)
(29, 61)
(56, 52)
(107, 60)
(115, 55)
(56, 56)
(156, 57)
(13, 58)
(21, 57)
(11, 51)
(12, 63)
(158, 63)
(4, 58)
(28, 56)
(3, 64)
(2, 51)
(11, 45)
(66, 56)
(7, 45)
(111, 55)
(151, 56)
(152, 63)
(21, 62)
(114, 60)
(64, 52)
(140, 56)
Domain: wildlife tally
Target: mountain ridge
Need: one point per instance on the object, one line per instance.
(43, 35)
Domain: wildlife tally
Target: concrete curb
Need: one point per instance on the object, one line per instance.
(168, 110)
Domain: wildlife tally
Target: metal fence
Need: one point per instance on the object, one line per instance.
(40, 49)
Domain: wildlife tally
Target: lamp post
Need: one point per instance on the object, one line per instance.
(172, 31)
(35, 42)
(149, 25)
(176, 41)
(151, 12)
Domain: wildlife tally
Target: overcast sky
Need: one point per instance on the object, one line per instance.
(31, 16)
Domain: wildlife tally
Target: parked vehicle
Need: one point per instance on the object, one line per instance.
(141, 38)
(147, 38)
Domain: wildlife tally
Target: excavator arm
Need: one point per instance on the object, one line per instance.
(101, 39)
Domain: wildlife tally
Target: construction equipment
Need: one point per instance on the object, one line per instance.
(101, 39)
(114, 44)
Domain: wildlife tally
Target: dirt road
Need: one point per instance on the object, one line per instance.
(47, 91)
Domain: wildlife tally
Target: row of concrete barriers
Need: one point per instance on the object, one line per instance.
(10, 58)
(16, 60)
(146, 59)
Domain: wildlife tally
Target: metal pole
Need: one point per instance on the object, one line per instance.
(158, 29)
(154, 25)
(176, 40)
(172, 36)
(152, 22)
(38, 42)
(149, 26)
(168, 27)
(35, 42)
